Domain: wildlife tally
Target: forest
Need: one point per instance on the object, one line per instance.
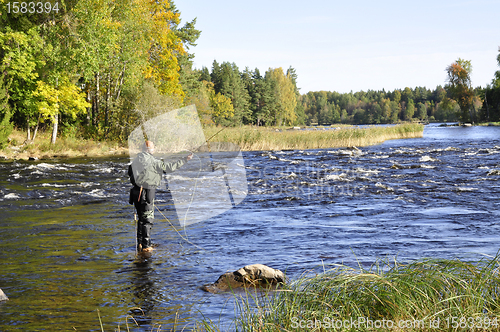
(97, 68)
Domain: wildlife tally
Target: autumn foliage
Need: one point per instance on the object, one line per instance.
(460, 87)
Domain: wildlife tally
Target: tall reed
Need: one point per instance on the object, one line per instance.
(255, 139)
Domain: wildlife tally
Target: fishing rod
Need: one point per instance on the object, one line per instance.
(208, 139)
(194, 189)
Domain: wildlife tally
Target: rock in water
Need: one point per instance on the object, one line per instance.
(3, 297)
(250, 275)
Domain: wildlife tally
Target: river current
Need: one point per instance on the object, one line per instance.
(67, 245)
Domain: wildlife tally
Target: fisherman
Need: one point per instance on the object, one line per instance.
(145, 174)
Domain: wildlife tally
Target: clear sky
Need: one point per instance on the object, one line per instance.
(349, 45)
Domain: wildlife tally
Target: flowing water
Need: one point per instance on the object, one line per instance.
(67, 256)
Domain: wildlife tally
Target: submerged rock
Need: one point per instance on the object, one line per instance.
(3, 297)
(258, 275)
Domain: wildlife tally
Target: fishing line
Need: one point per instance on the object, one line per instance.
(193, 194)
(135, 235)
(175, 229)
(194, 189)
(189, 206)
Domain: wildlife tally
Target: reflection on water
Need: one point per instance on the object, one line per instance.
(67, 233)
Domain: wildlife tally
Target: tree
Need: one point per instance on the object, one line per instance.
(447, 110)
(5, 124)
(359, 116)
(422, 111)
(222, 108)
(410, 110)
(284, 91)
(397, 96)
(165, 48)
(52, 101)
(299, 109)
(228, 82)
(20, 53)
(377, 113)
(496, 80)
(386, 109)
(267, 102)
(492, 95)
(205, 74)
(406, 95)
(188, 34)
(395, 110)
(460, 87)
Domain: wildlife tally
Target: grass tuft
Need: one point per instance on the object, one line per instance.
(425, 295)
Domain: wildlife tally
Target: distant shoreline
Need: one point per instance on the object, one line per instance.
(248, 138)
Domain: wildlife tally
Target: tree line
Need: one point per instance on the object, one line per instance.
(456, 101)
(85, 66)
(98, 68)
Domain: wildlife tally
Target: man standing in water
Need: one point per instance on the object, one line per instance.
(145, 174)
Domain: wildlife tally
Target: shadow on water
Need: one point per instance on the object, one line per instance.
(67, 242)
(144, 291)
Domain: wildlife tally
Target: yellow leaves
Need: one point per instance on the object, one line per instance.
(72, 100)
(165, 47)
(219, 106)
(136, 35)
(49, 100)
(46, 101)
(161, 11)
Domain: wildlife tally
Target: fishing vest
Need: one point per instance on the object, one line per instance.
(146, 171)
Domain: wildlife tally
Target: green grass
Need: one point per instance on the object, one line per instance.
(425, 295)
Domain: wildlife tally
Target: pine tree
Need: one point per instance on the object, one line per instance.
(228, 82)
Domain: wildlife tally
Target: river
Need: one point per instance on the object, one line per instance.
(67, 231)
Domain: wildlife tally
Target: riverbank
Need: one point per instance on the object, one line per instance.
(65, 147)
(248, 138)
(425, 295)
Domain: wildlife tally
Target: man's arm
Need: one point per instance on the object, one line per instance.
(170, 167)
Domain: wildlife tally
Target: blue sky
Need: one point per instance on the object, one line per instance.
(349, 45)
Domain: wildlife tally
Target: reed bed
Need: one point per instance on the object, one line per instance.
(258, 139)
(425, 295)
(247, 138)
(65, 147)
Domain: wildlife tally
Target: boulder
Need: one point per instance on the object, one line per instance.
(256, 275)
(3, 297)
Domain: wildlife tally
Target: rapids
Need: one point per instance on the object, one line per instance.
(67, 231)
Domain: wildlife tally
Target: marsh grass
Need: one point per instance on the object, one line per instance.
(425, 295)
(257, 139)
(248, 138)
(489, 124)
(66, 147)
